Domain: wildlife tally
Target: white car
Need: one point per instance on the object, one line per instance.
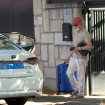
(20, 76)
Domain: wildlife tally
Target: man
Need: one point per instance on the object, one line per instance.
(76, 60)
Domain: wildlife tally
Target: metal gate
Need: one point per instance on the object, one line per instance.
(96, 69)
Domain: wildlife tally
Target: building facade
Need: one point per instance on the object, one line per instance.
(50, 47)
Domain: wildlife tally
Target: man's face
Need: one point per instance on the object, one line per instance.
(79, 25)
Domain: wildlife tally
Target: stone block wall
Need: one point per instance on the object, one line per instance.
(49, 47)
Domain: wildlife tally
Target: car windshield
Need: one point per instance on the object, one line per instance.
(6, 44)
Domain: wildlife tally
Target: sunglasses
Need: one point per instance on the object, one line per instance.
(76, 25)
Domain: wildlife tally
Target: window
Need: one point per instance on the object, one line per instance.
(6, 44)
(22, 40)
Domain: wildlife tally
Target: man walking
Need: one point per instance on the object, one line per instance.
(76, 60)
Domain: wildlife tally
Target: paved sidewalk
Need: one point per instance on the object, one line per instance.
(51, 98)
(67, 100)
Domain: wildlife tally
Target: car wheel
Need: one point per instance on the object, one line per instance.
(16, 101)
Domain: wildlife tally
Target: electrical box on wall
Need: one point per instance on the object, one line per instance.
(67, 31)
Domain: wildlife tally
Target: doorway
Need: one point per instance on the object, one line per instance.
(17, 16)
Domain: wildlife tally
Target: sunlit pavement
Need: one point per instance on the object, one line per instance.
(2, 102)
(48, 100)
(65, 99)
(62, 99)
(40, 103)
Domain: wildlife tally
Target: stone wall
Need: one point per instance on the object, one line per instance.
(50, 49)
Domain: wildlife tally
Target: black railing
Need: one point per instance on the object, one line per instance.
(97, 55)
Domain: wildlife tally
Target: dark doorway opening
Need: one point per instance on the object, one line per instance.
(17, 16)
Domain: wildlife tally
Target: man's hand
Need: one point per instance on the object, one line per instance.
(67, 60)
(76, 49)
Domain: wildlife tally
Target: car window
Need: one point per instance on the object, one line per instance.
(6, 44)
(25, 42)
